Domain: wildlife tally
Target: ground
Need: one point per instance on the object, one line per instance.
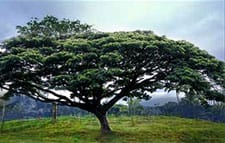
(138, 129)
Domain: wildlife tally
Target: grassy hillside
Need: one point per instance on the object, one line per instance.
(158, 129)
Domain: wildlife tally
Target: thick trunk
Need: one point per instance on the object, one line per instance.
(103, 122)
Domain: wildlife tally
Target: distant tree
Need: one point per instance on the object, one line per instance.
(134, 106)
(2, 103)
(217, 112)
(3, 100)
(177, 95)
(54, 111)
(170, 108)
(119, 109)
(98, 69)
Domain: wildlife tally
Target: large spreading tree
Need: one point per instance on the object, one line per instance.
(67, 62)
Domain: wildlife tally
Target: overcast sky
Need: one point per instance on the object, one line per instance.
(198, 21)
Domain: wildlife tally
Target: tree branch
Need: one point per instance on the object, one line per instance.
(38, 96)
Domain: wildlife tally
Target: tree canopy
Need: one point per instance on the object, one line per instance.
(97, 69)
(52, 27)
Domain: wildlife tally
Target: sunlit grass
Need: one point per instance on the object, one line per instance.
(157, 129)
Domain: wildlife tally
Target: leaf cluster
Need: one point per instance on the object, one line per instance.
(51, 26)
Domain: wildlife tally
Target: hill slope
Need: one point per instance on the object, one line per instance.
(158, 129)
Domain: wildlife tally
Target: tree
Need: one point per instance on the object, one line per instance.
(94, 70)
(54, 111)
(134, 106)
(2, 102)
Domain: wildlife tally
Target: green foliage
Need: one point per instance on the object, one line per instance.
(50, 26)
(84, 65)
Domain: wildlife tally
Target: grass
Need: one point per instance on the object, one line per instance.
(156, 129)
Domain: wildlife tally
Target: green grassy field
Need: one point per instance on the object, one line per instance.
(157, 129)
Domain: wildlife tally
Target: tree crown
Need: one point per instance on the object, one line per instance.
(97, 69)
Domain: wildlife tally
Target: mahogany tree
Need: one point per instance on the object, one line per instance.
(58, 61)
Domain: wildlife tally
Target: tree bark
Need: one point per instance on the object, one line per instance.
(178, 98)
(54, 112)
(103, 122)
(3, 115)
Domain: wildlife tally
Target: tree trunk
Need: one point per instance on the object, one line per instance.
(103, 122)
(178, 98)
(54, 112)
(3, 115)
